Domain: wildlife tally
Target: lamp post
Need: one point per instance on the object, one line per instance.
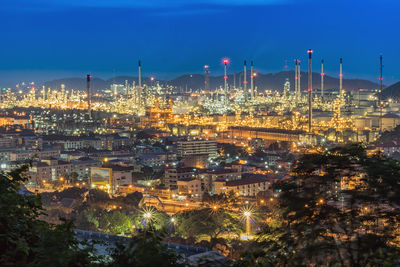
(147, 217)
(247, 214)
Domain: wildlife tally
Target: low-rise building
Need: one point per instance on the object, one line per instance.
(153, 159)
(197, 147)
(210, 176)
(121, 176)
(82, 167)
(389, 121)
(173, 175)
(190, 187)
(49, 170)
(248, 187)
(7, 141)
(34, 154)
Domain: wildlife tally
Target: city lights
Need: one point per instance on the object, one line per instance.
(199, 134)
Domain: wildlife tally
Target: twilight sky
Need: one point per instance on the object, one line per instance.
(47, 39)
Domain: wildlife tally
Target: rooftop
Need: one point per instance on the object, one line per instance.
(250, 180)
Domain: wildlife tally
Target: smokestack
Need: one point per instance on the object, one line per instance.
(298, 79)
(309, 91)
(226, 61)
(240, 81)
(140, 75)
(206, 78)
(380, 90)
(295, 78)
(322, 79)
(245, 82)
(89, 95)
(341, 79)
(62, 91)
(251, 82)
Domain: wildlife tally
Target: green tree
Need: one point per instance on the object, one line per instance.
(26, 240)
(97, 196)
(225, 200)
(146, 249)
(232, 150)
(115, 222)
(340, 208)
(210, 222)
(148, 174)
(87, 220)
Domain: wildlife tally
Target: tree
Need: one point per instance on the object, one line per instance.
(146, 249)
(233, 150)
(280, 145)
(72, 192)
(26, 240)
(130, 201)
(211, 222)
(87, 220)
(97, 196)
(225, 200)
(148, 174)
(115, 222)
(340, 208)
(144, 135)
(388, 136)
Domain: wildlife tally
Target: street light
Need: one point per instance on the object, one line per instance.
(247, 214)
(147, 216)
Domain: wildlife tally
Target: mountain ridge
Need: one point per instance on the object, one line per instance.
(272, 81)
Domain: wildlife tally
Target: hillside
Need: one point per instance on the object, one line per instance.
(272, 81)
(392, 91)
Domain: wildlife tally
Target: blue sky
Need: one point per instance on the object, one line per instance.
(46, 39)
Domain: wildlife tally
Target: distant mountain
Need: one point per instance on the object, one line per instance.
(96, 83)
(76, 83)
(392, 91)
(272, 81)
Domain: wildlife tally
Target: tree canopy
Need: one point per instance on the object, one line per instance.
(26, 240)
(341, 208)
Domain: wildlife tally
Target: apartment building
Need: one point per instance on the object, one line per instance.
(197, 147)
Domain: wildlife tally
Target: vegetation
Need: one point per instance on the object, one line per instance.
(144, 250)
(341, 208)
(148, 174)
(144, 135)
(231, 150)
(26, 240)
(388, 136)
(209, 222)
